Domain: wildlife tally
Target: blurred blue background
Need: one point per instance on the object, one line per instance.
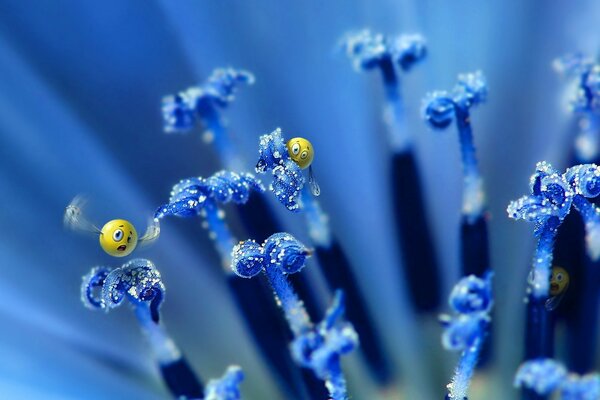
(80, 91)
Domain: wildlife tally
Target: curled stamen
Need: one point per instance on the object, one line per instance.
(316, 347)
(140, 283)
(203, 103)
(179, 111)
(472, 300)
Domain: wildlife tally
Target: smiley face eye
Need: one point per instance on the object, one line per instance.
(304, 154)
(559, 277)
(129, 238)
(295, 149)
(118, 235)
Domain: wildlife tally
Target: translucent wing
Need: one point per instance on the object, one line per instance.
(152, 232)
(553, 302)
(74, 218)
(314, 186)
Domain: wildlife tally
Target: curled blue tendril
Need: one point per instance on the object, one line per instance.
(91, 288)
(181, 110)
(584, 180)
(137, 280)
(439, 108)
(551, 196)
(546, 376)
(368, 50)
(190, 196)
(317, 347)
(280, 250)
(227, 387)
(472, 300)
(288, 179)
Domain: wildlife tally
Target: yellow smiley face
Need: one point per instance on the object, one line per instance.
(559, 281)
(301, 151)
(118, 238)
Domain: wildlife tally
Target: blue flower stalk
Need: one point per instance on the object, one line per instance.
(472, 300)
(202, 104)
(584, 102)
(551, 199)
(546, 377)
(547, 206)
(439, 110)
(317, 347)
(289, 187)
(391, 55)
(140, 283)
(202, 197)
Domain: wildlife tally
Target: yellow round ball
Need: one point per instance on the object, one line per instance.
(301, 151)
(559, 281)
(118, 238)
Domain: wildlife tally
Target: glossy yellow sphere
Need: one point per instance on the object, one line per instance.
(559, 281)
(118, 238)
(301, 151)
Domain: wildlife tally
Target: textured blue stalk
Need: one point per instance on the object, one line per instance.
(539, 330)
(293, 308)
(219, 136)
(219, 232)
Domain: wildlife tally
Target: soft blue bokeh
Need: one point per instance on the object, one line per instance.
(81, 85)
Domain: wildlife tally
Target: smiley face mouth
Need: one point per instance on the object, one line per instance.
(121, 247)
(554, 287)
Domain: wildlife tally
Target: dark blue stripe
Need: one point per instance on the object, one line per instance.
(421, 270)
(181, 380)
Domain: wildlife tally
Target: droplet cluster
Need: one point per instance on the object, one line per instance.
(288, 179)
(137, 280)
